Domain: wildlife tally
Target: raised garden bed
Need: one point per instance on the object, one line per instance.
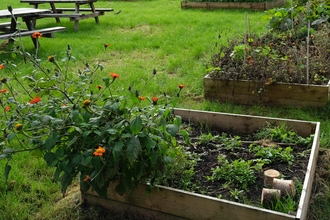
(233, 5)
(169, 203)
(246, 92)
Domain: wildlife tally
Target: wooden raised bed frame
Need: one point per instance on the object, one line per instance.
(232, 5)
(171, 204)
(285, 94)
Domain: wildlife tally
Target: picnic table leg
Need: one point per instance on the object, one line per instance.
(52, 5)
(93, 10)
(29, 24)
(76, 22)
(13, 28)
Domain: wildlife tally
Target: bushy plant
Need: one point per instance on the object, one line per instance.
(291, 51)
(82, 126)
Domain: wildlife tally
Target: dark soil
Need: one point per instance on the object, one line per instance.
(208, 160)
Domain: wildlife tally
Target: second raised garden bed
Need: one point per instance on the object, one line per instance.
(284, 94)
(234, 5)
(169, 203)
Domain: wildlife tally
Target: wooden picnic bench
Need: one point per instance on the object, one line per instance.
(10, 30)
(76, 14)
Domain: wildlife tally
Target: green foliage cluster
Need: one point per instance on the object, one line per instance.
(82, 125)
(293, 50)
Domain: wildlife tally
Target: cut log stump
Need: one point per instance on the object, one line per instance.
(270, 195)
(286, 186)
(269, 175)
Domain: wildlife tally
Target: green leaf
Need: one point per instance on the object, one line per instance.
(96, 163)
(136, 125)
(106, 81)
(172, 129)
(4, 156)
(73, 140)
(11, 136)
(116, 151)
(8, 150)
(86, 160)
(7, 170)
(77, 159)
(49, 157)
(101, 66)
(133, 149)
(51, 141)
(59, 153)
(57, 174)
(76, 116)
(66, 180)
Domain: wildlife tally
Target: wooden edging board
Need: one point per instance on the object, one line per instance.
(285, 94)
(167, 203)
(233, 5)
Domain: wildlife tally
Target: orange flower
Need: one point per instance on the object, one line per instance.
(142, 97)
(51, 59)
(106, 45)
(99, 87)
(114, 75)
(3, 90)
(36, 35)
(7, 108)
(270, 81)
(181, 86)
(99, 151)
(1, 66)
(86, 178)
(35, 100)
(18, 127)
(86, 103)
(154, 100)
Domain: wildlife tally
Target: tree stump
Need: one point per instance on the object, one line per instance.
(286, 186)
(270, 195)
(269, 175)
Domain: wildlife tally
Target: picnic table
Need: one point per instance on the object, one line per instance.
(10, 30)
(77, 12)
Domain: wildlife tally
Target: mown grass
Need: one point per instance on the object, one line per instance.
(145, 35)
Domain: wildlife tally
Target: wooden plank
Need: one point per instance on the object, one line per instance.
(47, 32)
(84, 16)
(60, 10)
(60, 15)
(245, 124)
(5, 24)
(187, 205)
(244, 92)
(125, 207)
(309, 177)
(232, 5)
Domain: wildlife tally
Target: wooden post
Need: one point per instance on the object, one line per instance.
(269, 175)
(270, 195)
(286, 186)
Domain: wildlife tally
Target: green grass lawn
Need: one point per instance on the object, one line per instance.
(144, 36)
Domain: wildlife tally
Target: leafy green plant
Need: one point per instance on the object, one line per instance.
(273, 153)
(238, 172)
(82, 125)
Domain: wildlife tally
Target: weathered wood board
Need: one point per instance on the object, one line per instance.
(246, 93)
(232, 5)
(172, 204)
